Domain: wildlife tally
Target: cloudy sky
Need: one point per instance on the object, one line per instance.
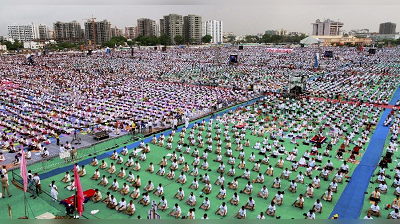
(240, 19)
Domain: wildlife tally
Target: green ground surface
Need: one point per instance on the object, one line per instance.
(286, 211)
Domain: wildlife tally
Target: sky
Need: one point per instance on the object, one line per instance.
(239, 19)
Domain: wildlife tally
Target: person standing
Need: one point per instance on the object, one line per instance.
(150, 124)
(36, 180)
(54, 190)
(31, 185)
(4, 186)
(57, 138)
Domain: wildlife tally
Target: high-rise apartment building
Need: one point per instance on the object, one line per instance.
(326, 28)
(172, 26)
(192, 31)
(214, 28)
(70, 32)
(22, 32)
(102, 31)
(116, 32)
(131, 32)
(387, 28)
(146, 27)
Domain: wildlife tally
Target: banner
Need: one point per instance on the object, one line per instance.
(316, 60)
(279, 50)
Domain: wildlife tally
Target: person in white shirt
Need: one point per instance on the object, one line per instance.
(66, 178)
(182, 178)
(241, 214)
(278, 199)
(206, 204)
(317, 206)
(368, 216)
(176, 211)
(235, 199)
(163, 204)
(125, 189)
(180, 194)
(310, 215)
(104, 181)
(191, 201)
(222, 210)
(222, 193)
(300, 178)
(195, 184)
(394, 214)
(271, 209)
(299, 202)
(220, 180)
(204, 216)
(121, 206)
(130, 209)
(145, 200)
(112, 203)
(114, 186)
(251, 204)
(159, 191)
(261, 216)
(190, 214)
(375, 210)
(149, 186)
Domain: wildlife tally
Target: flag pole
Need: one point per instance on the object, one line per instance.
(25, 203)
(75, 203)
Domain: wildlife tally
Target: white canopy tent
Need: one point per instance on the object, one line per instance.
(310, 41)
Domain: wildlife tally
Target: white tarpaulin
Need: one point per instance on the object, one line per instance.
(279, 50)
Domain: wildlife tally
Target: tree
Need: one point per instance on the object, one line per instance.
(179, 39)
(13, 46)
(164, 39)
(115, 41)
(206, 39)
(231, 38)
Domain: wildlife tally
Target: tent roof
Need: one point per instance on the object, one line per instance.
(309, 40)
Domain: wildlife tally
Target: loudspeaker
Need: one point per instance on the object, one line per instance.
(132, 52)
(155, 48)
(372, 51)
(240, 47)
(89, 52)
(301, 45)
(164, 48)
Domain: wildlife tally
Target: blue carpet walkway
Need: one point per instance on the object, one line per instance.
(351, 201)
(131, 146)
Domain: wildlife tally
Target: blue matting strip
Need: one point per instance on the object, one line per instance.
(351, 201)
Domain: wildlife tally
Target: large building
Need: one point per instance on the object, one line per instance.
(22, 32)
(387, 28)
(42, 32)
(172, 26)
(70, 32)
(215, 29)
(116, 32)
(102, 31)
(326, 28)
(146, 27)
(192, 29)
(131, 32)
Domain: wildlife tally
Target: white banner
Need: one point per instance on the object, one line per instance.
(279, 50)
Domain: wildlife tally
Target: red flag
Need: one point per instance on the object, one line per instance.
(24, 174)
(79, 195)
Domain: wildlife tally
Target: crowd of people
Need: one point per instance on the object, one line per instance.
(269, 146)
